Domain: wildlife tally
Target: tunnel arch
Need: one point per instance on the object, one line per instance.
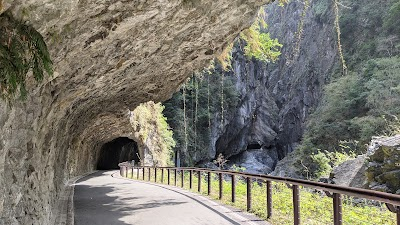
(118, 150)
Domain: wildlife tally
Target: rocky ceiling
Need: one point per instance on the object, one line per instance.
(109, 56)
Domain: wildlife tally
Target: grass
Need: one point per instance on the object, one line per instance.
(315, 208)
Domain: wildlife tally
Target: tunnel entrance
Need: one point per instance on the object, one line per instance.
(116, 151)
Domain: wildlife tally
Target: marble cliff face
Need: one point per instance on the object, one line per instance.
(109, 56)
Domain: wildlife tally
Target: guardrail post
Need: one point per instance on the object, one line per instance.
(143, 173)
(220, 185)
(233, 188)
(199, 181)
(398, 217)
(182, 178)
(394, 209)
(155, 174)
(138, 171)
(208, 183)
(269, 199)
(175, 177)
(248, 193)
(149, 173)
(296, 204)
(190, 179)
(337, 209)
(132, 173)
(162, 175)
(168, 176)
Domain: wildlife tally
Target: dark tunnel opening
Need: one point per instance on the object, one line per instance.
(116, 151)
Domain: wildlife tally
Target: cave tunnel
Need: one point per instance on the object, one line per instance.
(119, 150)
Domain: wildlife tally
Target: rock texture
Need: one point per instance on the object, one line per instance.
(383, 169)
(276, 98)
(350, 173)
(109, 56)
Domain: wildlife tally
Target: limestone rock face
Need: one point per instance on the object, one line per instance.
(277, 98)
(109, 56)
(383, 169)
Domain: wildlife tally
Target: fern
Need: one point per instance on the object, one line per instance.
(22, 49)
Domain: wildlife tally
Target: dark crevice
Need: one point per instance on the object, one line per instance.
(254, 146)
(114, 152)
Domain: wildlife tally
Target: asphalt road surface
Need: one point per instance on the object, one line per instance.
(107, 199)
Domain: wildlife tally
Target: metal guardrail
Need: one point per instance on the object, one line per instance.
(335, 192)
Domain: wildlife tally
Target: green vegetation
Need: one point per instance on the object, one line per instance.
(391, 21)
(153, 132)
(206, 98)
(22, 49)
(355, 108)
(363, 103)
(315, 207)
(257, 43)
(203, 94)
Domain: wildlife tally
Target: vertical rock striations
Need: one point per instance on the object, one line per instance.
(276, 98)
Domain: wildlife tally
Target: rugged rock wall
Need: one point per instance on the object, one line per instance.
(109, 56)
(383, 164)
(276, 98)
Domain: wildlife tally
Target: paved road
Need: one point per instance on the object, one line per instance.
(107, 199)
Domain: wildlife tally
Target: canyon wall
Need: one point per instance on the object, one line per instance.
(275, 99)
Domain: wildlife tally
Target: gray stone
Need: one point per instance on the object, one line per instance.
(383, 170)
(109, 56)
(277, 98)
(350, 173)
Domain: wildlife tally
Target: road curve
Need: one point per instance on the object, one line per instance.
(107, 199)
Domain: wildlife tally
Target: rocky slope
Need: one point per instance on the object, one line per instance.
(109, 56)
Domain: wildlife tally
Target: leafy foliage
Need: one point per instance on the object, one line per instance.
(391, 21)
(355, 107)
(152, 130)
(258, 43)
(365, 102)
(22, 49)
(207, 86)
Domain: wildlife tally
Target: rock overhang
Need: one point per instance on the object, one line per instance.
(109, 56)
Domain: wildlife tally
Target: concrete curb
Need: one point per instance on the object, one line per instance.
(66, 201)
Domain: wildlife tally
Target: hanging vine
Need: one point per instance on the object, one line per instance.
(299, 33)
(337, 26)
(196, 88)
(22, 49)
(184, 116)
(208, 103)
(222, 101)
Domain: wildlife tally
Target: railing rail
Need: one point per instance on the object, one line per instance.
(336, 192)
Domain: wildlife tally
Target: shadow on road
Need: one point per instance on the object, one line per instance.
(105, 205)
